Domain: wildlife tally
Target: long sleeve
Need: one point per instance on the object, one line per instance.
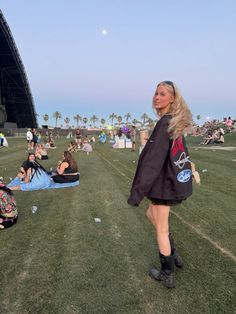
(150, 166)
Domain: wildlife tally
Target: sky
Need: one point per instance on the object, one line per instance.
(74, 67)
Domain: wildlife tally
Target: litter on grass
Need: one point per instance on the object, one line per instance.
(96, 219)
(34, 209)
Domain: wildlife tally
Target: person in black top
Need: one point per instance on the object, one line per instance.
(163, 173)
(35, 137)
(32, 176)
(67, 170)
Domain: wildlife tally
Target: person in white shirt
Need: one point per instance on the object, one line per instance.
(29, 137)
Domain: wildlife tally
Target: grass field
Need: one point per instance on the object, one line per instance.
(59, 260)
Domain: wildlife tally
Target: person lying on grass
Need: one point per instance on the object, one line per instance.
(32, 176)
(67, 170)
(8, 210)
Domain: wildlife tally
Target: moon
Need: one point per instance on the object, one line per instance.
(104, 32)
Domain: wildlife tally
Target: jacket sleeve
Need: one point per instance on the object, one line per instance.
(151, 165)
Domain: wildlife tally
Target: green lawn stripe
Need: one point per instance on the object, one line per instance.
(197, 230)
(60, 261)
(204, 236)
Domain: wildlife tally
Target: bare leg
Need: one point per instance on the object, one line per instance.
(15, 188)
(150, 215)
(160, 214)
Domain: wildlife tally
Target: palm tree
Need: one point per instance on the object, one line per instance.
(85, 120)
(94, 119)
(45, 118)
(67, 120)
(127, 117)
(77, 118)
(112, 117)
(144, 117)
(102, 121)
(119, 119)
(57, 115)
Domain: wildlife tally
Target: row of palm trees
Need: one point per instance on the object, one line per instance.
(145, 119)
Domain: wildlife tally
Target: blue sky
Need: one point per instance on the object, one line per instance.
(74, 69)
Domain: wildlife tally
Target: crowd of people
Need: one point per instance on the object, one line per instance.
(214, 137)
(33, 176)
(81, 143)
(33, 138)
(214, 131)
(164, 171)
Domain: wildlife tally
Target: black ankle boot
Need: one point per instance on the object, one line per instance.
(166, 274)
(177, 258)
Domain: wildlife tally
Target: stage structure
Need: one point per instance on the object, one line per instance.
(16, 101)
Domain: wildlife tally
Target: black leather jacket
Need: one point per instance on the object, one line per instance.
(164, 168)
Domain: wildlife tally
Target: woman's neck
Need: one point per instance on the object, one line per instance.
(161, 114)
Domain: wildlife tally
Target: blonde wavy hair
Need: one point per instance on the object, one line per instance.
(181, 121)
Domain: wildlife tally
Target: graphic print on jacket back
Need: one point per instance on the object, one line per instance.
(180, 159)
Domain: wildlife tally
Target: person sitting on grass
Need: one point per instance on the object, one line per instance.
(32, 176)
(67, 170)
(50, 143)
(41, 152)
(219, 137)
(209, 139)
(8, 210)
(86, 147)
(72, 147)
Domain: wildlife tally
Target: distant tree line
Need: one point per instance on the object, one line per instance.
(113, 119)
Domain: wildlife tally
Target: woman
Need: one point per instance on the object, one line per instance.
(164, 173)
(67, 170)
(31, 177)
(86, 147)
(219, 136)
(41, 152)
(8, 210)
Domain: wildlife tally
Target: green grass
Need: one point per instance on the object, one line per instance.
(59, 260)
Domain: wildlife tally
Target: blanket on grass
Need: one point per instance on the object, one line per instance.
(49, 185)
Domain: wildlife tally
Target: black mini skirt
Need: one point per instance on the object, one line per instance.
(157, 201)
